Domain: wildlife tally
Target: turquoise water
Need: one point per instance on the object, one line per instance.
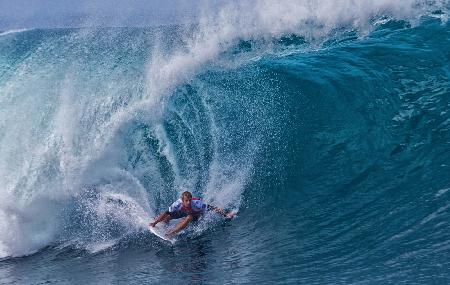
(332, 144)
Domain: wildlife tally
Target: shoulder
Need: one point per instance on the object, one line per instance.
(197, 202)
(175, 205)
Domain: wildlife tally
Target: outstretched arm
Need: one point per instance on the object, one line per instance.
(160, 218)
(181, 225)
(220, 211)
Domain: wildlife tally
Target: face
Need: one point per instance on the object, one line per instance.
(186, 202)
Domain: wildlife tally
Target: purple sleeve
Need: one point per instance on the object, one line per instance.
(198, 205)
(176, 206)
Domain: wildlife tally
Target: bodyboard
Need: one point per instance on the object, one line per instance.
(160, 232)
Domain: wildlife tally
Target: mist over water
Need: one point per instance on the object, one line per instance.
(324, 124)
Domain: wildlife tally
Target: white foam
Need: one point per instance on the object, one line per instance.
(442, 192)
(26, 227)
(48, 150)
(15, 31)
(314, 20)
(100, 246)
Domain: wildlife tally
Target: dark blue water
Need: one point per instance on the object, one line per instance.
(333, 149)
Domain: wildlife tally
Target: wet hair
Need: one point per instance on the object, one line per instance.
(186, 194)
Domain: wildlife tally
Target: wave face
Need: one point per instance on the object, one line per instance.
(326, 126)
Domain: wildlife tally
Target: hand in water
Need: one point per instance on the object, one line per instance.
(231, 215)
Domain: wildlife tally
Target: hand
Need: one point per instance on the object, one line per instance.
(152, 224)
(230, 215)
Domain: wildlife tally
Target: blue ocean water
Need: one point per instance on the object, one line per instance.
(331, 141)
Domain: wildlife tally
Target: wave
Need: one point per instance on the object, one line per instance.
(102, 128)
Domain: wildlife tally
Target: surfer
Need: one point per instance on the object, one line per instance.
(189, 208)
